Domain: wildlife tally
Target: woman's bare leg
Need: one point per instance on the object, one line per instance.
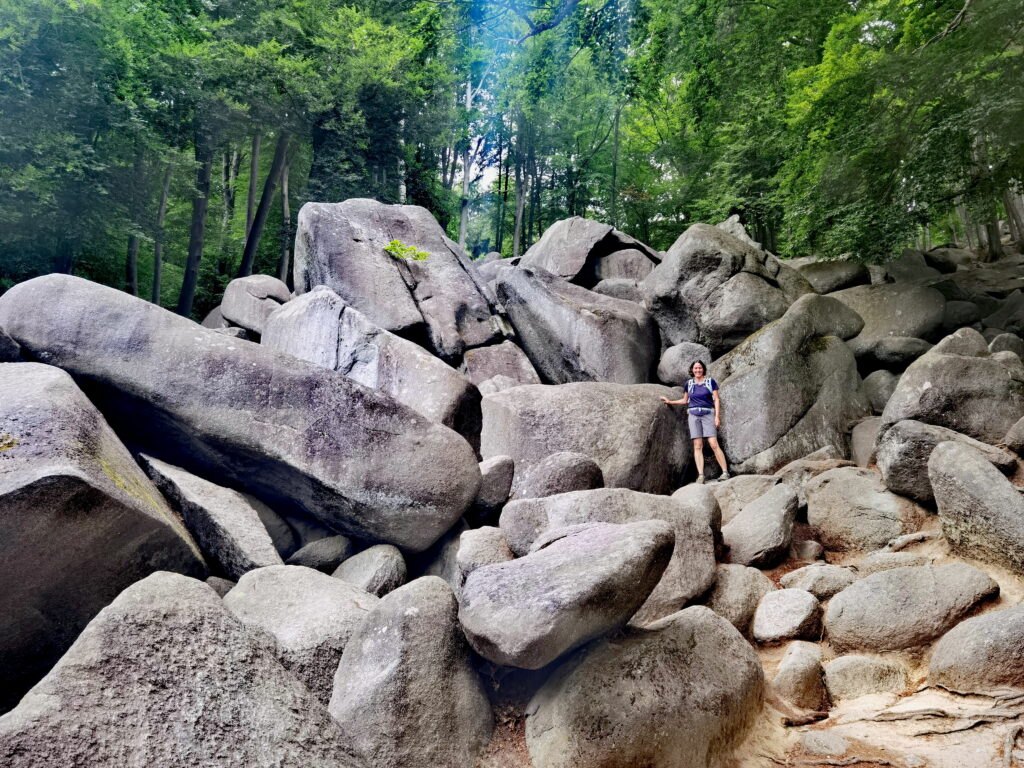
(698, 454)
(719, 455)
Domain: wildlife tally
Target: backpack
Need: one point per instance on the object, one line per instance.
(690, 384)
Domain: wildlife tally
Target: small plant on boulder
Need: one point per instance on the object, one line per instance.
(400, 250)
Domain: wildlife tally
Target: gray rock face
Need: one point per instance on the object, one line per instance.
(560, 472)
(495, 485)
(323, 555)
(849, 509)
(79, 521)
(897, 351)
(892, 311)
(215, 319)
(903, 453)
(982, 513)
(820, 579)
(674, 366)
(479, 547)
(710, 690)
(1014, 439)
(585, 582)
(163, 676)
(759, 536)
(856, 675)
(505, 359)
(319, 327)
(787, 614)
(959, 385)
(636, 440)
(792, 388)
(911, 265)
(1007, 342)
(884, 560)
(799, 676)
(226, 527)
(572, 334)
(736, 492)
(714, 289)
(628, 264)
(736, 594)
(828, 276)
(1010, 316)
(405, 692)
(378, 570)
(219, 585)
(309, 614)
(283, 536)
(905, 607)
(862, 441)
(879, 386)
(948, 259)
(694, 518)
(297, 436)
(959, 314)
(249, 301)
(620, 288)
(341, 245)
(10, 350)
(981, 655)
(799, 474)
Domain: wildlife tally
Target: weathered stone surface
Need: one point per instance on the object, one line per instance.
(215, 320)
(910, 266)
(297, 436)
(496, 384)
(1010, 316)
(892, 311)
(736, 594)
(1014, 439)
(560, 472)
(10, 350)
(948, 259)
(849, 509)
(820, 579)
(959, 314)
(856, 675)
(249, 301)
(442, 558)
(736, 492)
(636, 440)
(323, 555)
(759, 536)
(166, 676)
(694, 517)
(787, 614)
(905, 607)
(884, 560)
(981, 655)
(1007, 342)
(405, 693)
(479, 547)
(79, 522)
(897, 351)
(219, 585)
(959, 385)
(226, 527)
(620, 288)
(806, 550)
(714, 289)
(495, 485)
(572, 334)
(982, 513)
(674, 366)
(625, 264)
(800, 473)
(284, 537)
(799, 677)
(862, 441)
(829, 276)
(792, 388)
(505, 359)
(341, 245)
(709, 688)
(904, 449)
(378, 569)
(309, 614)
(879, 386)
(585, 582)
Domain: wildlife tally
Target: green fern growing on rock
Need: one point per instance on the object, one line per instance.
(400, 250)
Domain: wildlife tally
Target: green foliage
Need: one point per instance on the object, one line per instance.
(400, 250)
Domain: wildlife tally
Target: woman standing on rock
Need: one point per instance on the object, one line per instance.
(702, 401)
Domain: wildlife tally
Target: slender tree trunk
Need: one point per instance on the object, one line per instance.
(284, 263)
(131, 266)
(517, 228)
(200, 205)
(254, 171)
(1014, 216)
(65, 263)
(263, 210)
(464, 200)
(995, 243)
(229, 176)
(158, 235)
(614, 206)
(965, 222)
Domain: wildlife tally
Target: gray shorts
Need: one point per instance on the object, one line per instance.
(702, 423)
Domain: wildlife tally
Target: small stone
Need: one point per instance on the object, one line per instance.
(378, 569)
(799, 676)
(821, 580)
(737, 592)
(787, 614)
(323, 555)
(856, 675)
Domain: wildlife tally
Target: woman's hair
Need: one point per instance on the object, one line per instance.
(700, 363)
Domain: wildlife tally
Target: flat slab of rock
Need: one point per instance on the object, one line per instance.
(249, 301)
(560, 472)
(165, 675)
(227, 528)
(505, 359)
(981, 655)
(378, 570)
(828, 276)
(820, 579)
(694, 517)
(799, 676)
(295, 435)
(709, 690)
(759, 536)
(583, 582)
(905, 607)
(736, 594)
(856, 675)
(736, 492)
(787, 614)
(79, 521)
(405, 692)
(309, 614)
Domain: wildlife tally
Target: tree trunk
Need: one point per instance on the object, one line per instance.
(131, 266)
(464, 201)
(262, 211)
(614, 206)
(995, 244)
(284, 263)
(229, 176)
(254, 172)
(1014, 216)
(158, 235)
(200, 205)
(517, 228)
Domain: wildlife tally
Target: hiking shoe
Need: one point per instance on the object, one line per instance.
(724, 476)
(700, 479)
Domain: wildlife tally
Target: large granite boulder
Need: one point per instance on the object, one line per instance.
(694, 517)
(1007, 342)
(166, 676)
(981, 655)
(297, 436)
(324, 554)
(560, 472)
(505, 359)
(674, 366)
(737, 492)
(822, 580)
(10, 350)
(342, 246)
(829, 276)
(905, 607)
(715, 289)
(879, 386)
(982, 513)
(1009, 318)
(405, 693)
(79, 522)
(791, 389)
(310, 615)
(572, 334)
(759, 536)
(960, 385)
(321, 328)
(578, 583)
(680, 693)
(379, 569)
(249, 301)
(636, 440)
(799, 676)
(787, 614)
(856, 675)
(736, 594)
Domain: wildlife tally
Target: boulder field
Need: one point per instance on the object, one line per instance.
(433, 512)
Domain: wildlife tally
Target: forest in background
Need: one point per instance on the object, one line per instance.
(165, 146)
